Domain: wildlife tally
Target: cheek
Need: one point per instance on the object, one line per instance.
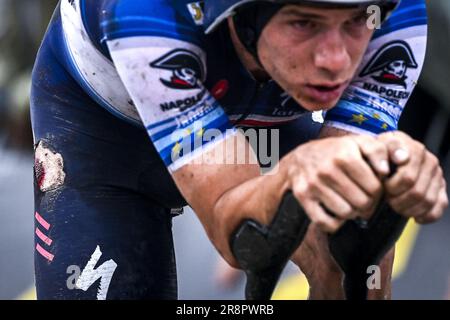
(286, 63)
(357, 48)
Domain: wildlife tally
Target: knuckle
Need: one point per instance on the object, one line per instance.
(341, 160)
(417, 195)
(374, 189)
(395, 139)
(327, 171)
(434, 216)
(364, 203)
(378, 148)
(313, 182)
(399, 134)
(390, 134)
(429, 201)
(345, 212)
(300, 193)
(445, 202)
(441, 174)
(420, 148)
(434, 161)
(408, 179)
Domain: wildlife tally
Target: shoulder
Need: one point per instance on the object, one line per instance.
(409, 14)
(176, 19)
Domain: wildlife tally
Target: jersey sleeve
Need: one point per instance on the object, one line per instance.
(374, 101)
(159, 57)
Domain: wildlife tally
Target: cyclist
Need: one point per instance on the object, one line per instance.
(110, 74)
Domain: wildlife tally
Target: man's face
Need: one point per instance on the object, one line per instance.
(397, 68)
(313, 53)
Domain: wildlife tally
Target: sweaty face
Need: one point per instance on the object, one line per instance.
(313, 53)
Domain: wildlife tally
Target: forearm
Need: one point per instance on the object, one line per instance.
(328, 131)
(256, 199)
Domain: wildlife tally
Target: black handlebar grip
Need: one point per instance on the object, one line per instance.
(263, 251)
(355, 248)
(359, 244)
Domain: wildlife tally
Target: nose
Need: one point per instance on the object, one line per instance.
(331, 53)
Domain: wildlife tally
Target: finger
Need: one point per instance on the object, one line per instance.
(348, 190)
(362, 175)
(437, 211)
(320, 217)
(421, 193)
(428, 201)
(313, 209)
(333, 202)
(406, 176)
(367, 213)
(397, 145)
(376, 154)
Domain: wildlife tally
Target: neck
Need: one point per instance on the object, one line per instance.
(249, 62)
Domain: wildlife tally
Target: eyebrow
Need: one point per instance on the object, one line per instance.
(306, 15)
(310, 15)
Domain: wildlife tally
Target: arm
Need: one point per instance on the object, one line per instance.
(221, 190)
(164, 76)
(193, 139)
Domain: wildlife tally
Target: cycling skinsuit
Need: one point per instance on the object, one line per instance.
(112, 73)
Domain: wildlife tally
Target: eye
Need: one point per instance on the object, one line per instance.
(304, 24)
(359, 20)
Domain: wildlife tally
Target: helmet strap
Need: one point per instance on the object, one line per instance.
(250, 22)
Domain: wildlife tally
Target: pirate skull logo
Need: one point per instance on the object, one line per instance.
(390, 64)
(186, 66)
(397, 68)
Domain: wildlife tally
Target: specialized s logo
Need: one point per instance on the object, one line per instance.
(186, 66)
(390, 64)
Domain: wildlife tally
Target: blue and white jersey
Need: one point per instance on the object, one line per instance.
(150, 63)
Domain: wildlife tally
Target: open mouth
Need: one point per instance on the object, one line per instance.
(324, 93)
(326, 88)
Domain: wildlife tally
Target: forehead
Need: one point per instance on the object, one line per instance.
(321, 12)
(396, 62)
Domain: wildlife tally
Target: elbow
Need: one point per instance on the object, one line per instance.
(220, 232)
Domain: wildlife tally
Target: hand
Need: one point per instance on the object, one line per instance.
(334, 174)
(418, 189)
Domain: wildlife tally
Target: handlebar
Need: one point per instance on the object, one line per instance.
(263, 251)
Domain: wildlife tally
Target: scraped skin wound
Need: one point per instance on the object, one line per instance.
(49, 168)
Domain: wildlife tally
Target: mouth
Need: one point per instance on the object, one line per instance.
(325, 93)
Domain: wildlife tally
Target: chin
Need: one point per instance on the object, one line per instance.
(312, 106)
